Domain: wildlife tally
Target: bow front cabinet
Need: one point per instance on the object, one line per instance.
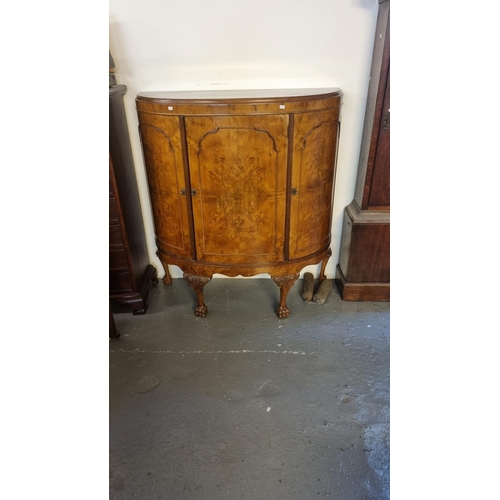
(241, 182)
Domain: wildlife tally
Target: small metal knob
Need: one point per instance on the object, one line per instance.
(294, 191)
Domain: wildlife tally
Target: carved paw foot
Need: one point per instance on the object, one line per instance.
(283, 312)
(201, 311)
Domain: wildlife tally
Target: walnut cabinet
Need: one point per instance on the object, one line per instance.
(241, 182)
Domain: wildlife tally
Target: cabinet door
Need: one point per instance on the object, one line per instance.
(238, 173)
(163, 156)
(315, 137)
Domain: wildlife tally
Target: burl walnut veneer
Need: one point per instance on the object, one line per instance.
(241, 182)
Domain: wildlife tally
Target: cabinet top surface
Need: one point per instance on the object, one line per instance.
(206, 96)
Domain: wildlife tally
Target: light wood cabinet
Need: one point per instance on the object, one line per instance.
(241, 182)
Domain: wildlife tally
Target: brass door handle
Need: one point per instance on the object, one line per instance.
(183, 192)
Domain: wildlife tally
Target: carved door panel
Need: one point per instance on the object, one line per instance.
(238, 178)
(313, 173)
(161, 142)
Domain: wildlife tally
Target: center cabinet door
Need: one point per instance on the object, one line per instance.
(238, 168)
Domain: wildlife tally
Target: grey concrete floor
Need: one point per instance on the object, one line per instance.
(241, 405)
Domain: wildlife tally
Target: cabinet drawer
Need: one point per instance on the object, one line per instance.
(120, 281)
(115, 235)
(113, 212)
(118, 259)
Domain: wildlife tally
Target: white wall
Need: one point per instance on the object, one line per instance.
(238, 44)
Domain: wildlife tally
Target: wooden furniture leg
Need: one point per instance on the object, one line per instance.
(135, 301)
(167, 279)
(113, 332)
(324, 262)
(197, 283)
(285, 283)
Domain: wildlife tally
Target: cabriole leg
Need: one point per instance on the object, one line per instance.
(324, 262)
(197, 283)
(167, 280)
(285, 283)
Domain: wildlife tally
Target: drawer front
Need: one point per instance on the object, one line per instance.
(120, 282)
(113, 212)
(118, 259)
(115, 235)
(239, 102)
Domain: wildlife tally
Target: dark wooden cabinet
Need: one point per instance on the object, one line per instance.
(241, 183)
(363, 270)
(130, 273)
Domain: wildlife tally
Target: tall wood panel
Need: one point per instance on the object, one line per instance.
(130, 272)
(363, 270)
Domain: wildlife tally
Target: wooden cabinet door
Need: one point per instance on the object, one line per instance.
(238, 176)
(163, 156)
(315, 137)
